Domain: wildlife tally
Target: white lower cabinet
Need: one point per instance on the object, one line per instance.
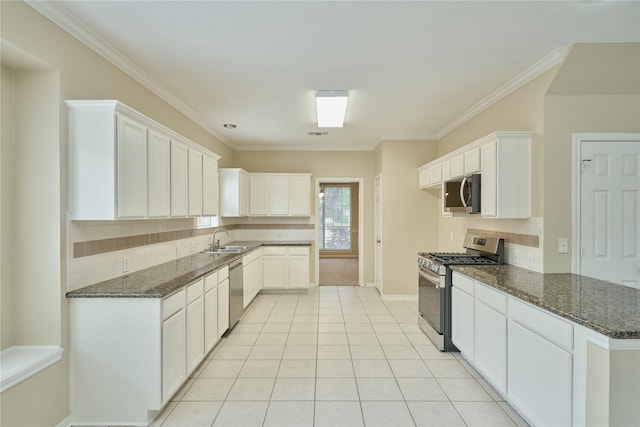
(195, 325)
(462, 318)
(223, 307)
(523, 351)
(285, 267)
(251, 276)
(490, 338)
(173, 345)
(211, 336)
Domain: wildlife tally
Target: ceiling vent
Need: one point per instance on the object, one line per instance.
(317, 133)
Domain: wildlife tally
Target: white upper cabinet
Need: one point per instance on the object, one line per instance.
(279, 194)
(234, 192)
(195, 182)
(506, 175)
(472, 161)
(122, 164)
(179, 179)
(209, 186)
(457, 167)
(132, 168)
(159, 174)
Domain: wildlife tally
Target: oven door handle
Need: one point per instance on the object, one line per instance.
(433, 279)
(463, 197)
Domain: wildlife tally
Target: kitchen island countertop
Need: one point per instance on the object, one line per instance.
(607, 308)
(164, 279)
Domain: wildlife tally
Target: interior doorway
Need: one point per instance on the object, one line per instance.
(338, 232)
(607, 196)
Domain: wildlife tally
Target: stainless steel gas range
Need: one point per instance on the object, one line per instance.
(434, 284)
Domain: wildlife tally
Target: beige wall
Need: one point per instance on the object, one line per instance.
(597, 90)
(7, 235)
(324, 164)
(409, 215)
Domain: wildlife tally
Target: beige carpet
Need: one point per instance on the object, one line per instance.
(339, 271)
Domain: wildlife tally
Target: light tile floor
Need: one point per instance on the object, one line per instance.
(335, 356)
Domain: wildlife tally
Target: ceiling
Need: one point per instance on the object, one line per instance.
(413, 69)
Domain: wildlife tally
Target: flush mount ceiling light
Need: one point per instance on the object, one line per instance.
(331, 107)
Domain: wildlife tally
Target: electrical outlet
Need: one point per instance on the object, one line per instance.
(516, 257)
(530, 260)
(563, 245)
(125, 264)
(193, 247)
(451, 235)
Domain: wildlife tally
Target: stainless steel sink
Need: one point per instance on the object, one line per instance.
(228, 250)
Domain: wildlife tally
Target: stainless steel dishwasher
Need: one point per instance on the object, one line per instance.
(236, 300)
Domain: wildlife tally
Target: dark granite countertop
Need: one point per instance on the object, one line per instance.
(167, 278)
(607, 308)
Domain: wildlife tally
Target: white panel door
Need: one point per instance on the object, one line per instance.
(299, 195)
(223, 307)
(159, 173)
(377, 230)
(173, 354)
(132, 168)
(258, 194)
(610, 211)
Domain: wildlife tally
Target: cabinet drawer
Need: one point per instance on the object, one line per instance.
(464, 283)
(173, 304)
(223, 274)
(211, 281)
(274, 250)
(544, 324)
(195, 290)
(491, 298)
(298, 250)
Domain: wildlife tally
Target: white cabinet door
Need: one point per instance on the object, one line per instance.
(490, 345)
(179, 179)
(259, 194)
(299, 271)
(457, 166)
(132, 168)
(195, 325)
(298, 267)
(223, 307)
(279, 195)
(435, 174)
(209, 186)
(299, 195)
(489, 170)
(423, 177)
(275, 271)
(539, 378)
(234, 192)
(173, 354)
(211, 319)
(462, 321)
(195, 183)
(472, 161)
(159, 174)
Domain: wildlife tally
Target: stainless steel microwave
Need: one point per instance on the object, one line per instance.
(463, 196)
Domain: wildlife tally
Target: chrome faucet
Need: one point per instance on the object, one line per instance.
(215, 244)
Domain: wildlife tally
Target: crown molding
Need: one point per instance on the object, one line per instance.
(59, 16)
(540, 67)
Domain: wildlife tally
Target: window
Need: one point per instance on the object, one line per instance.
(335, 217)
(207, 221)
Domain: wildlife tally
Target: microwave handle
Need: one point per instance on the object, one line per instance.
(462, 197)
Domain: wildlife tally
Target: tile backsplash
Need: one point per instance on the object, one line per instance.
(99, 250)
